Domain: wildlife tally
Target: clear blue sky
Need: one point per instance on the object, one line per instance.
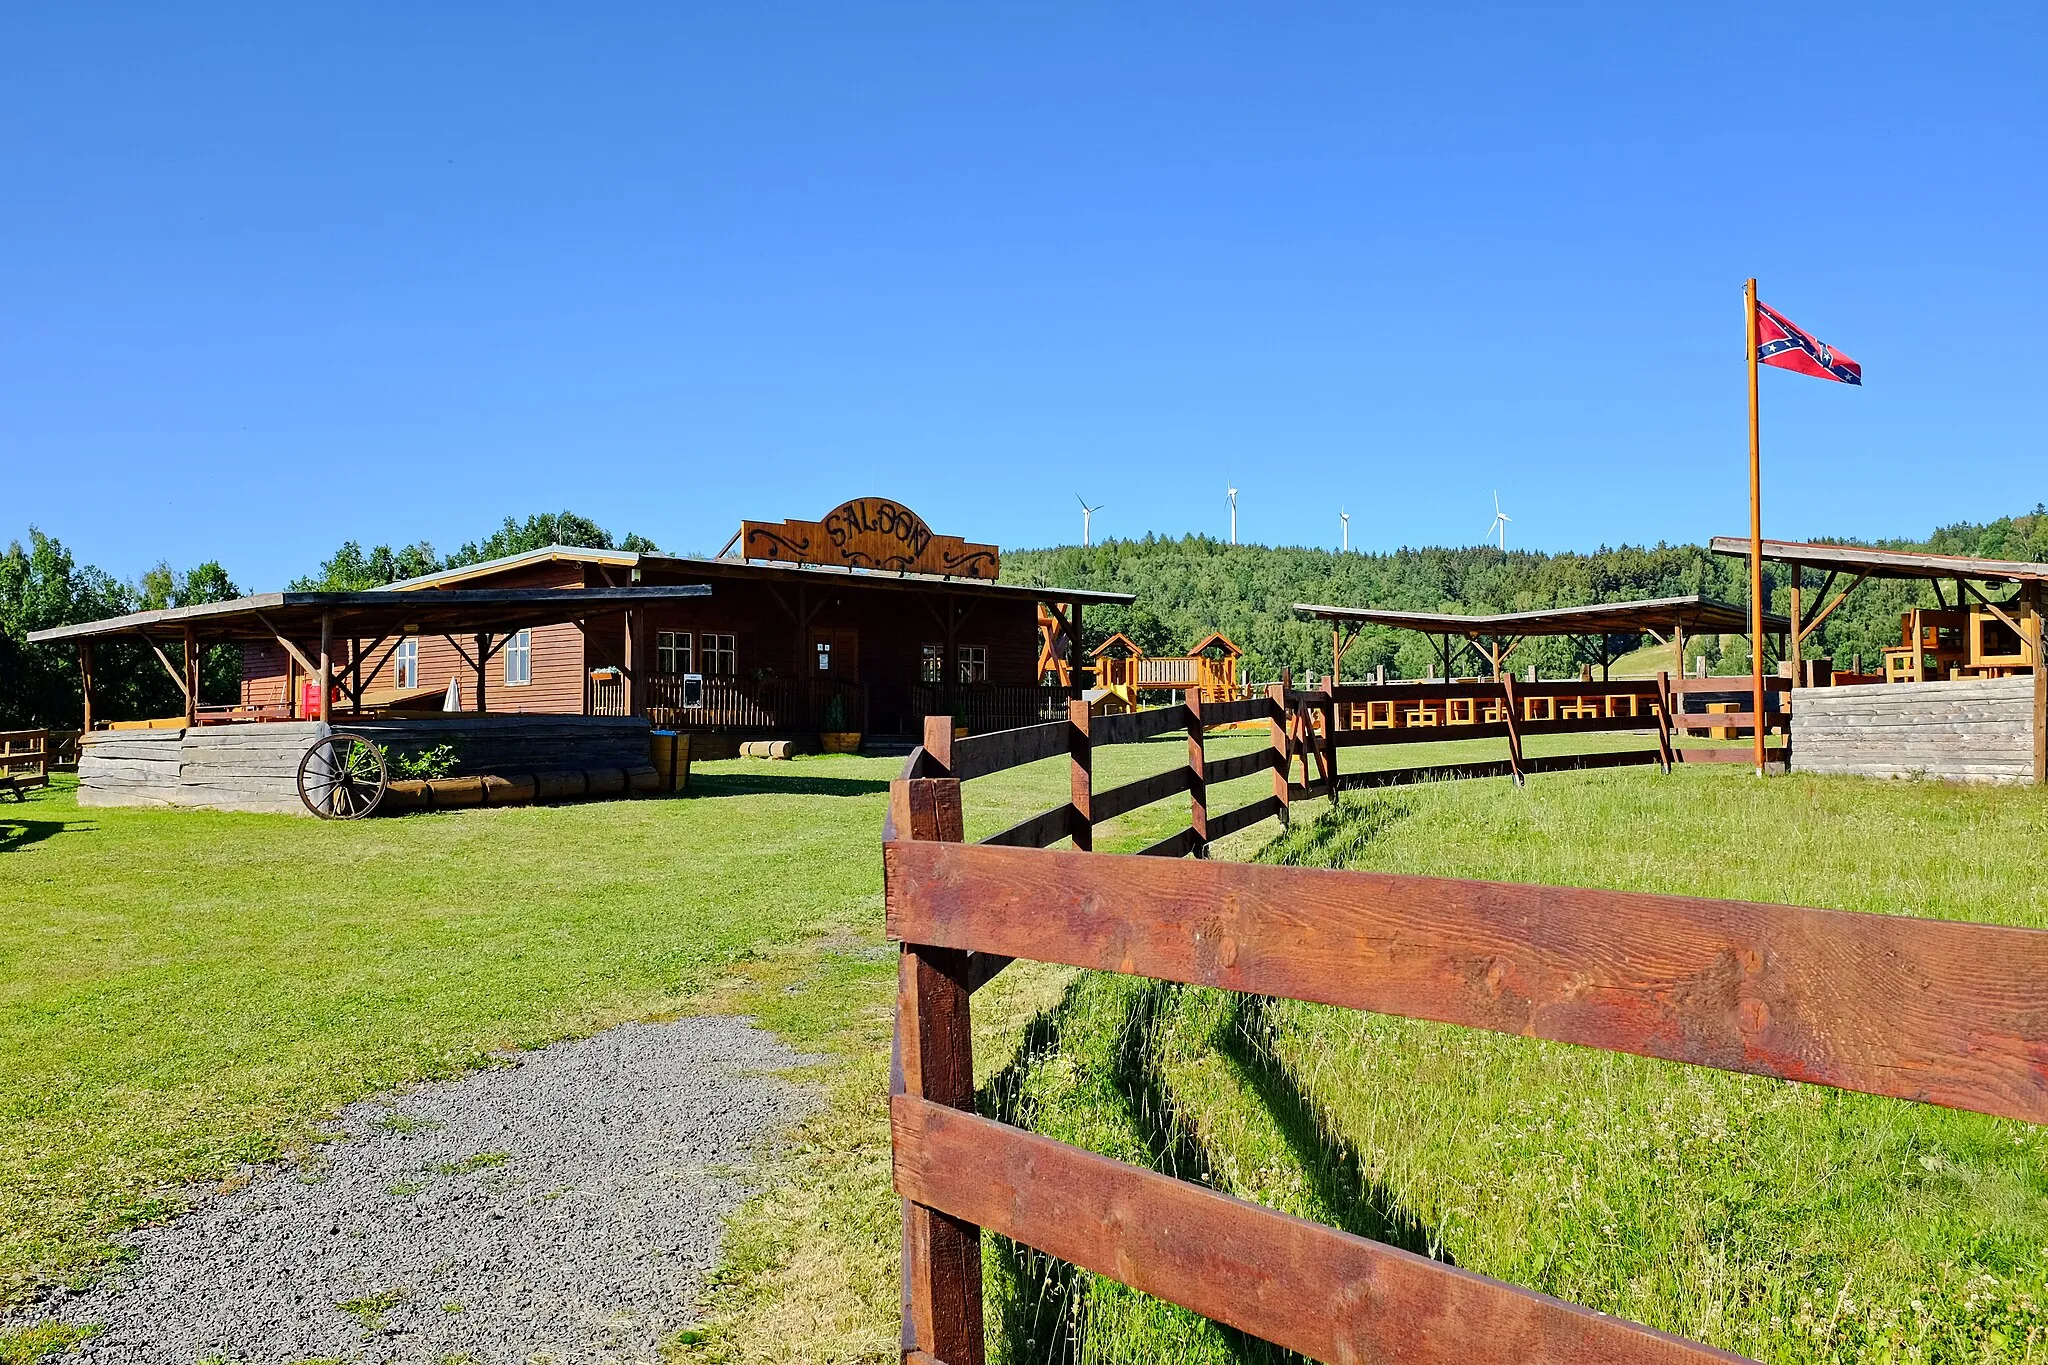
(271, 278)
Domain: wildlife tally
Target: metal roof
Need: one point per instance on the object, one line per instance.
(1862, 559)
(1695, 613)
(775, 571)
(450, 611)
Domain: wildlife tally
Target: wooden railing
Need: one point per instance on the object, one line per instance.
(983, 707)
(25, 760)
(1917, 1009)
(755, 704)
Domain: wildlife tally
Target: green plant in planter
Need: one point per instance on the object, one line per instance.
(835, 714)
(423, 765)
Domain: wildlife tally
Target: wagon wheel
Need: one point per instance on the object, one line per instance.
(343, 777)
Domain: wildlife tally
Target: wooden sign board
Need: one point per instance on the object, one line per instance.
(868, 533)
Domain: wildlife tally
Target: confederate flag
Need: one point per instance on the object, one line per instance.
(1780, 342)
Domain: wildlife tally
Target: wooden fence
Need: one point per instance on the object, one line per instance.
(1927, 1010)
(1313, 728)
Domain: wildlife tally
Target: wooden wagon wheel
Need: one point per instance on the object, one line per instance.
(343, 777)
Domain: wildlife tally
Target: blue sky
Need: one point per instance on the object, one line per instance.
(272, 277)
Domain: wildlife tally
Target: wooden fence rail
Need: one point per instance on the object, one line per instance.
(26, 757)
(1917, 1009)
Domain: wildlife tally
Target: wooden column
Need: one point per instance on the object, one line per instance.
(1330, 737)
(1664, 695)
(191, 676)
(1798, 585)
(483, 663)
(1198, 774)
(326, 678)
(934, 1060)
(1514, 707)
(85, 680)
(1075, 686)
(634, 700)
(2040, 652)
(1081, 778)
(1277, 699)
(291, 702)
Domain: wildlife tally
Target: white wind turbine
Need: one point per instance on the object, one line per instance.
(1086, 513)
(1231, 493)
(1499, 530)
(1345, 517)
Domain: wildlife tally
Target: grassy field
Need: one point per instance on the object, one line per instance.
(184, 992)
(1785, 1222)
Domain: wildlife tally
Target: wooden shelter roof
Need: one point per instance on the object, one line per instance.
(1694, 613)
(1220, 641)
(380, 612)
(1874, 563)
(772, 571)
(1118, 638)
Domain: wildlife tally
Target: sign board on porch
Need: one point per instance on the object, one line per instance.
(868, 533)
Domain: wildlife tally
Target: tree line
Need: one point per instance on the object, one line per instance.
(1186, 587)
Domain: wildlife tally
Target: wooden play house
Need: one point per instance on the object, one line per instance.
(1210, 668)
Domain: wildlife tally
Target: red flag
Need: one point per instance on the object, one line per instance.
(1780, 342)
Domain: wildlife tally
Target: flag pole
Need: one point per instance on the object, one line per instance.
(1756, 535)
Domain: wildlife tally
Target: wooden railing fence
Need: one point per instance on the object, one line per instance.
(26, 757)
(1927, 1010)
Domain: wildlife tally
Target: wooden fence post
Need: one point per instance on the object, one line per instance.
(934, 1060)
(1280, 713)
(1081, 781)
(1198, 774)
(938, 742)
(1514, 708)
(1330, 709)
(1664, 695)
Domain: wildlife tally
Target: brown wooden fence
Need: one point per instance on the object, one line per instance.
(26, 757)
(1926, 1010)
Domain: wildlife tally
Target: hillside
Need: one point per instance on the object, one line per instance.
(1190, 586)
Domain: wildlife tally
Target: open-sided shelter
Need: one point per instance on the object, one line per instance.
(1614, 627)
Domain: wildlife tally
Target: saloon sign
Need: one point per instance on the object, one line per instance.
(868, 533)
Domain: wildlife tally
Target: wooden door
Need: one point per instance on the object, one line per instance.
(835, 655)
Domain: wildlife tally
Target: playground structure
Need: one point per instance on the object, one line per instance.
(1123, 671)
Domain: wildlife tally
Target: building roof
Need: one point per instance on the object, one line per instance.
(1861, 559)
(376, 613)
(774, 571)
(1694, 613)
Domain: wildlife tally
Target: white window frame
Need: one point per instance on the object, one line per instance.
(931, 663)
(405, 663)
(519, 659)
(674, 653)
(720, 654)
(973, 663)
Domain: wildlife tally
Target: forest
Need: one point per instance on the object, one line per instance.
(1186, 587)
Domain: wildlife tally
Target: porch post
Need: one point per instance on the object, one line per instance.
(633, 698)
(326, 662)
(483, 663)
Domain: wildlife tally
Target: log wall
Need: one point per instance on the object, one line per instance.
(1960, 731)
(255, 767)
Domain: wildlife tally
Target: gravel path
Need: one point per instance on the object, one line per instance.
(562, 1208)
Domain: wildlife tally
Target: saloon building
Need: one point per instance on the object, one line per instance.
(863, 622)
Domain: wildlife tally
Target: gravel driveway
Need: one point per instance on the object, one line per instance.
(562, 1208)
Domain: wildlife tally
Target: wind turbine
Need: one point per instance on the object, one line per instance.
(1232, 495)
(1345, 517)
(1499, 529)
(1086, 513)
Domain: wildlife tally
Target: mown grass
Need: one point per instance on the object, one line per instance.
(1787, 1222)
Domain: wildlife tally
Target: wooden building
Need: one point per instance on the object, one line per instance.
(865, 621)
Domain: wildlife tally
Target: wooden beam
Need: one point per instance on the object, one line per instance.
(483, 656)
(177, 674)
(1075, 685)
(289, 648)
(85, 681)
(1327, 1294)
(1198, 774)
(1798, 635)
(191, 681)
(1829, 609)
(325, 672)
(1081, 774)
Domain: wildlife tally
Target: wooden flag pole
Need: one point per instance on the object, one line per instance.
(1756, 535)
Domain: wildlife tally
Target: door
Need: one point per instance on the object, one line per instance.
(835, 655)
(836, 698)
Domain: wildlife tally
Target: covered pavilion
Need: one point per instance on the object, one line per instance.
(1496, 636)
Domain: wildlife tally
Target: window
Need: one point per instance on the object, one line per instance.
(672, 652)
(973, 663)
(933, 667)
(405, 663)
(721, 656)
(519, 659)
(824, 656)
